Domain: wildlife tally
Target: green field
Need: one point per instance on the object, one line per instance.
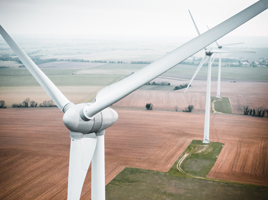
(201, 158)
(150, 185)
(101, 75)
(232, 73)
(64, 77)
(60, 77)
(222, 105)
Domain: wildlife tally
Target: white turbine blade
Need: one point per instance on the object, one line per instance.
(205, 58)
(194, 23)
(216, 40)
(229, 51)
(231, 44)
(213, 58)
(81, 153)
(98, 170)
(53, 92)
(113, 93)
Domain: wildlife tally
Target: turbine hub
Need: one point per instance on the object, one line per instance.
(102, 120)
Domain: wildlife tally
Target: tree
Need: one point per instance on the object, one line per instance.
(149, 106)
(47, 104)
(25, 103)
(16, 105)
(181, 86)
(33, 103)
(189, 108)
(253, 112)
(246, 110)
(2, 104)
(263, 113)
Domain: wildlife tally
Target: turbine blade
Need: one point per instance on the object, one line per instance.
(53, 92)
(113, 93)
(205, 58)
(229, 51)
(194, 23)
(81, 153)
(231, 44)
(213, 58)
(216, 40)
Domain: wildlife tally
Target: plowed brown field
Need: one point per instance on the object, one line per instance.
(240, 94)
(34, 148)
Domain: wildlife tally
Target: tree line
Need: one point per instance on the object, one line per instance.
(149, 106)
(255, 112)
(184, 85)
(27, 103)
(163, 83)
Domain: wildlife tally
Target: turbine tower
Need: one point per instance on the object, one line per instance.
(87, 121)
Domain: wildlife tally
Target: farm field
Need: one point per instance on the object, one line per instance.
(85, 82)
(34, 148)
(240, 94)
(34, 144)
(75, 94)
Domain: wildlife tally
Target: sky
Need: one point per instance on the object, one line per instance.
(124, 18)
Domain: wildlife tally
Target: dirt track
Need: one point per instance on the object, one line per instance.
(34, 149)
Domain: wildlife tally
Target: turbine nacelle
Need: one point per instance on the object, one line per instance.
(73, 121)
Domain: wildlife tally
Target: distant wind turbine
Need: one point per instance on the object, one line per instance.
(219, 68)
(208, 57)
(219, 52)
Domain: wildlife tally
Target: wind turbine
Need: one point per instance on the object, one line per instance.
(219, 68)
(208, 56)
(218, 52)
(87, 122)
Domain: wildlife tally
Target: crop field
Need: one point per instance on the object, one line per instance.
(75, 94)
(34, 148)
(163, 100)
(116, 54)
(60, 77)
(18, 84)
(146, 184)
(34, 144)
(230, 73)
(69, 65)
(240, 94)
(123, 69)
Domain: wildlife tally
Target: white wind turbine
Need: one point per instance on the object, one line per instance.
(219, 52)
(87, 122)
(219, 68)
(208, 56)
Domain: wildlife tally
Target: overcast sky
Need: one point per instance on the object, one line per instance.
(135, 18)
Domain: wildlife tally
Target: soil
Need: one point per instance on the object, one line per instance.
(34, 148)
(240, 94)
